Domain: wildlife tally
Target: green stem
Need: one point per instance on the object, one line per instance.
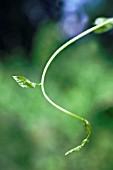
(87, 124)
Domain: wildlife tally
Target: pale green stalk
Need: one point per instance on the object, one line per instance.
(87, 124)
(100, 27)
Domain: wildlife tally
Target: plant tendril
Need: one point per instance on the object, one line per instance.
(87, 126)
(102, 25)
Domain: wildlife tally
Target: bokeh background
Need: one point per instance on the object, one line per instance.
(33, 134)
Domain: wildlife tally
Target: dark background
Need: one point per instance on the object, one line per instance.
(20, 19)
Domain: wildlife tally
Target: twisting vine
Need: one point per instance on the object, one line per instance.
(101, 25)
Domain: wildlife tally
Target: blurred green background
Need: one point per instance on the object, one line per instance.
(33, 134)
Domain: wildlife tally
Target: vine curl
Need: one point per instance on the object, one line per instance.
(102, 25)
(86, 122)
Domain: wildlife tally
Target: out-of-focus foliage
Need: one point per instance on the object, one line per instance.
(81, 80)
(16, 146)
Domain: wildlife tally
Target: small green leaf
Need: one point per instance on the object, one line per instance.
(88, 132)
(25, 83)
(78, 147)
(104, 28)
(87, 127)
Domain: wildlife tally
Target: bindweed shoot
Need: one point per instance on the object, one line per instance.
(101, 25)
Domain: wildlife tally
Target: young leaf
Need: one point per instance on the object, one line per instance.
(24, 83)
(87, 127)
(78, 147)
(88, 132)
(104, 28)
